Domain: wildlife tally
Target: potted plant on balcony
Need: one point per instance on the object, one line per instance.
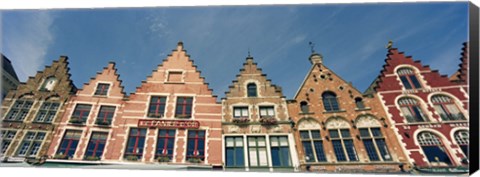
(76, 120)
(183, 116)
(131, 158)
(60, 156)
(155, 115)
(195, 159)
(241, 120)
(163, 158)
(102, 122)
(268, 121)
(92, 158)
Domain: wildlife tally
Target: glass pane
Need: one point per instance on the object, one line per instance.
(405, 82)
(304, 134)
(319, 150)
(345, 133)
(316, 134)
(338, 149)
(283, 141)
(364, 132)
(372, 153)
(333, 133)
(253, 156)
(230, 142)
(307, 147)
(415, 81)
(262, 153)
(238, 141)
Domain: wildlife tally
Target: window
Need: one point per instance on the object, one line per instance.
(234, 156)
(184, 107)
(280, 151)
(312, 146)
(157, 106)
(102, 89)
(257, 151)
(96, 145)
(411, 110)
(359, 103)
(47, 112)
(252, 90)
(196, 144)
(330, 102)
(408, 78)
(462, 139)
(31, 144)
(175, 76)
(136, 142)
(375, 144)
(240, 112)
(7, 137)
(446, 108)
(343, 145)
(19, 110)
(48, 84)
(80, 114)
(267, 112)
(105, 115)
(165, 144)
(69, 143)
(304, 106)
(434, 149)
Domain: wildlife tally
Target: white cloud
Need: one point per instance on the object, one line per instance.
(26, 39)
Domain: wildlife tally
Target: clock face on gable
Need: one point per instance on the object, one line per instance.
(49, 84)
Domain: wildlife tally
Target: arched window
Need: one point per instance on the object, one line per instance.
(312, 141)
(252, 90)
(330, 102)
(304, 106)
(359, 103)
(373, 139)
(408, 78)
(411, 110)
(48, 84)
(446, 108)
(462, 139)
(342, 141)
(434, 149)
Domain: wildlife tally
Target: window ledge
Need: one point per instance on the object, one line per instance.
(101, 96)
(49, 123)
(454, 121)
(363, 109)
(12, 121)
(337, 111)
(174, 82)
(306, 113)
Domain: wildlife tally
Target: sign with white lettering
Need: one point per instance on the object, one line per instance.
(188, 124)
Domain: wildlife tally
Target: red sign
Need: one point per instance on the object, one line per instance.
(169, 123)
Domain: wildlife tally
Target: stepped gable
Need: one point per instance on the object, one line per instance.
(60, 70)
(461, 76)
(396, 58)
(106, 76)
(250, 70)
(177, 61)
(315, 73)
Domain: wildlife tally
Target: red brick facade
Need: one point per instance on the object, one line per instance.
(325, 105)
(429, 112)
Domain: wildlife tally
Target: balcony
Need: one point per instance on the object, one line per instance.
(268, 121)
(102, 122)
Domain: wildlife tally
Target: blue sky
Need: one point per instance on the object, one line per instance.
(351, 38)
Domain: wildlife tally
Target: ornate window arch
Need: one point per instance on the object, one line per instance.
(330, 102)
(342, 140)
(373, 140)
(446, 108)
(412, 110)
(312, 141)
(463, 140)
(434, 149)
(409, 78)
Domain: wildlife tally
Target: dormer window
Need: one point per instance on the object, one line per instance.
(330, 102)
(252, 90)
(304, 106)
(408, 78)
(359, 103)
(48, 84)
(102, 89)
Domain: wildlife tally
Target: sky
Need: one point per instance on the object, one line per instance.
(351, 38)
